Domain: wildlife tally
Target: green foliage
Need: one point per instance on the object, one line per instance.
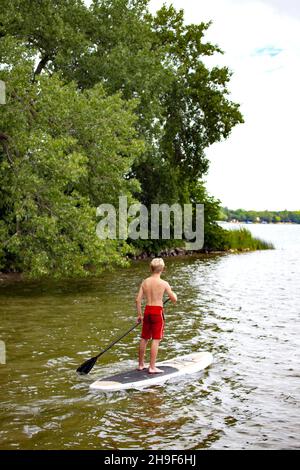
(215, 237)
(197, 111)
(183, 106)
(242, 239)
(64, 152)
(102, 101)
(222, 215)
(56, 29)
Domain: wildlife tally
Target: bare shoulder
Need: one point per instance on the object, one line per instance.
(146, 282)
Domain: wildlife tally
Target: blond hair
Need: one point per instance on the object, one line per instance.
(157, 265)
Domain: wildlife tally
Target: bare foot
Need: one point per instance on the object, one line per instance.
(141, 367)
(155, 370)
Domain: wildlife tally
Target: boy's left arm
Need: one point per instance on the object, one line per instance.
(138, 301)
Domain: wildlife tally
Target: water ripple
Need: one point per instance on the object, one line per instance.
(243, 308)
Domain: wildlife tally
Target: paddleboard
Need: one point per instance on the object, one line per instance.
(183, 365)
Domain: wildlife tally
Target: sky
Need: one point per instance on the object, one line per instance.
(258, 166)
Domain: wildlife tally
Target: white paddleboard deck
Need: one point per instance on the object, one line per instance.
(183, 365)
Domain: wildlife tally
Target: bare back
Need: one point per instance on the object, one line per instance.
(154, 289)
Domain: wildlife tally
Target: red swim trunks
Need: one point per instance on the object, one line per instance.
(153, 322)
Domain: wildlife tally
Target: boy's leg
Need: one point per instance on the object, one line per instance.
(142, 350)
(153, 355)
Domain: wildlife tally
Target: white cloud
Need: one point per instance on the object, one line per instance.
(258, 166)
(290, 7)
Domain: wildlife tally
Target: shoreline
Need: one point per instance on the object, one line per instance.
(16, 277)
(181, 252)
(255, 223)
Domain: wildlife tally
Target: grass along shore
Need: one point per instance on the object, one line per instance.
(234, 240)
(241, 239)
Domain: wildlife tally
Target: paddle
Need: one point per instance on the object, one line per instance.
(87, 366)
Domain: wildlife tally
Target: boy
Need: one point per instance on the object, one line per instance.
(153, 288)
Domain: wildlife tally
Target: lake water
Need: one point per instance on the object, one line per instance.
(244, 308)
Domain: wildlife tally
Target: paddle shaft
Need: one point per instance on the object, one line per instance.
(121, 337)
(116, 341)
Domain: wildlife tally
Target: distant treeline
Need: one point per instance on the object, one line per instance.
(242, 215)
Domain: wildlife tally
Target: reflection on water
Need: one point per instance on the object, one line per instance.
(242, 308)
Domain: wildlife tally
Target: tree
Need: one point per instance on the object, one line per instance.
(56, 30)
(64, 151)
(122, 97)
(183, 106)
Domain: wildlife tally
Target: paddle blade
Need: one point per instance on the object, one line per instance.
(87, 366)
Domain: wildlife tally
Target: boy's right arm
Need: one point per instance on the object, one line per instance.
(171, 294)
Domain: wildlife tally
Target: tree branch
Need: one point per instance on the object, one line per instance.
(4, 139)
(41, 65)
